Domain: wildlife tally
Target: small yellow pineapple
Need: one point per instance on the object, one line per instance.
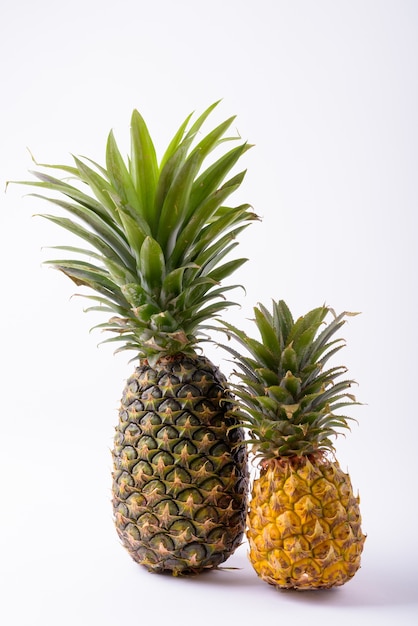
(304, 524)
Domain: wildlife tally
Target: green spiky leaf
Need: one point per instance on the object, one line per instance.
(289, 402)
(156, 234)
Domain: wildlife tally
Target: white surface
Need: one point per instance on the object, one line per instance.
(328, 93)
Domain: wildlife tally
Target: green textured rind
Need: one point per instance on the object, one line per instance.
(180, 480)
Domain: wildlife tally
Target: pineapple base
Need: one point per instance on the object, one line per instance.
(304, 524)
(180, 479)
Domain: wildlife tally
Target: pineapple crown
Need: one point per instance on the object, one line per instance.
(157, 234)
(286, 396)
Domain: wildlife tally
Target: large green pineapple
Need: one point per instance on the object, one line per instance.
(157, 235)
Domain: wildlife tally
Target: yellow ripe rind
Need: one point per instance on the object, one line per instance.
(304, 524)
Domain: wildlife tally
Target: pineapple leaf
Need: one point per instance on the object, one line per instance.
(283, 321)
(288, 360)
(337, 343)
(165, 180)
(60, 186)
(100, 187)
(174, 144)
(331, 393)
(134, 233)
(262, 355)
(76, 250)
(120, 177)
(94, 280)
(279, 394)
(175, 204)
(151, 264)
(193, 228)
(321, 343)
(268, 335)
(104, 304)
(211, 311)
(293, 384)
(106, 242)
(314, 382)
(215, 251)
(267, 376)
(214, 138)
(304, 330)
(143, 167)
(207, 183)
(221, 272)
(173, 283)
(191, 134)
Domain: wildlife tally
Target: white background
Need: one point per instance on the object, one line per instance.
(327, 92)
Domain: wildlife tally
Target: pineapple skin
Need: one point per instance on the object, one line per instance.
(180, 479)
(304, 524)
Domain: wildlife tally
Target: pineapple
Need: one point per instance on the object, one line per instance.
(304, 525)
(157, 235)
